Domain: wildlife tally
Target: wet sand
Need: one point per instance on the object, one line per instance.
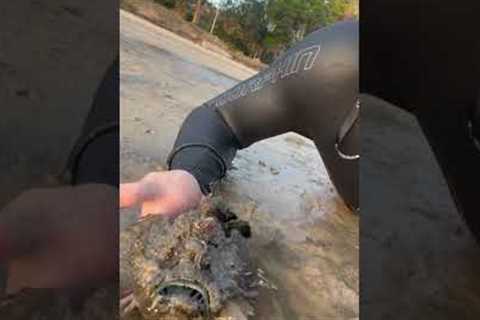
(305, 240)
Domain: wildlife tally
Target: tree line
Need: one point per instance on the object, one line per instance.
(262, 29)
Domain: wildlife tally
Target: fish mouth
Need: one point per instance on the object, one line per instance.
(187, 296)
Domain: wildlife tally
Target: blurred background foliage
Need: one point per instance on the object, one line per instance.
(262, 29)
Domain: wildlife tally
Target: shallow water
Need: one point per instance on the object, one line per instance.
(305, 241)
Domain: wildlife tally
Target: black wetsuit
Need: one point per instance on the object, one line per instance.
(406, 58)
(95, 156)
(312, 90)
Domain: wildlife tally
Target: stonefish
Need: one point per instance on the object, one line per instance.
(186, 268)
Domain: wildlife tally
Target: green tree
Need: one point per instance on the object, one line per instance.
(290, 20)
(263, 28)
(244, 24)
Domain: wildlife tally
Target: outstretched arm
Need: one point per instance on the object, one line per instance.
(310, 90)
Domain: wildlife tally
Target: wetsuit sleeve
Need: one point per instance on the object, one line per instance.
(94, 158)
(251, 111)
(309, 90)
(207, 141)
(205, 147)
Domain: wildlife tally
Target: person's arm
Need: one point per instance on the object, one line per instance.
(94, 158)
(205, 146)
(212, 133)
(313, 85)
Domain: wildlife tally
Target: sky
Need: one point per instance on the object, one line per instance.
(215, 2)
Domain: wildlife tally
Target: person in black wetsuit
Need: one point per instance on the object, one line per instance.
(313, 89)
